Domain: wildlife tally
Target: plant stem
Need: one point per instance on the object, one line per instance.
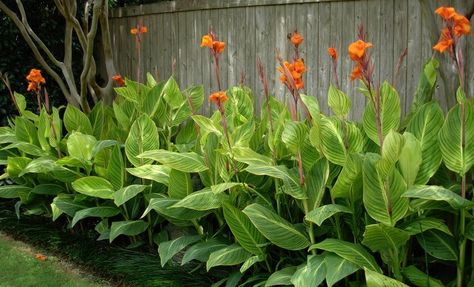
(462, 244)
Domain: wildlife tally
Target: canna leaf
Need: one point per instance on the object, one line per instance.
(337, 268)
(438, 193)
(281, 277)
(101, 211)
(75, 120)
(339, 102)
(438, 244)
(320, 214)
(310, 274)
(129, 228)
(94, 186)
(158, 173)
(420, 279)
(202, 250)
(185, 162)
(375, 279)
(143, 137)
(168, 249)
(126, 193)
(380, 237)
(228, 256)
(332, 143)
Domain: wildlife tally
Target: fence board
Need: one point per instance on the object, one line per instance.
(258, 28)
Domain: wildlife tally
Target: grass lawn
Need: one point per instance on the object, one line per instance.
(20, 267)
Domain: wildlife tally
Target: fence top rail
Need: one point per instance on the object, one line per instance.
(192, 5)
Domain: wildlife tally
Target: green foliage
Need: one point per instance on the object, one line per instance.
(300, 202)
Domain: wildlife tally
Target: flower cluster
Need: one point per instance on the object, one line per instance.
(119, 80)
(211, 42)
(358, 54)
(218, 98)
(291, 74)
(140, 29)
(455, 26)
(35, 79)
(296, 39)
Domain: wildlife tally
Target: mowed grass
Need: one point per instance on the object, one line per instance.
(20, 267)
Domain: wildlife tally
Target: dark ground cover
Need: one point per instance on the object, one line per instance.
(123, 266)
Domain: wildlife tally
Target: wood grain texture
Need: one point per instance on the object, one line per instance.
(258, 28)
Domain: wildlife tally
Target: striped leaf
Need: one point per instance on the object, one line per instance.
(380, 237)
(180, 184)
(294, 135)
(200, 200)
(275, 228)
(116, 168)
(310, 274)
(349, 180)
(332, 143)
(425, 126)
(75, 120)
(352, 252)
(101, 211)
(392, 147)
(382, 195)
(168, 249)
(80, 145)
(438, 193)
(186, 162)
(126, 193)
(456, 156)
(202, 250)
(143, 137)
(320, 214)
(339, 102)
(231, 255)
(410, 159)
(438, 244)
(129, 228)
(375, 279)
(389, 113)
(158, 173)
(94, 186)
(244, 232)
(420, 279)
(281, 277)
(337, 268)
(163, 207)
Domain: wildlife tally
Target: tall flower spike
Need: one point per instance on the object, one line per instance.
(357, 49)
(296, 39)
(445, 12)
(332, 53)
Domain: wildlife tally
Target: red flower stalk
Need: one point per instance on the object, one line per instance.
(216, 47)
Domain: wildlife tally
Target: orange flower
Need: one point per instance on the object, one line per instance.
(333, 53)
(119, 80)
(356, 72)
(357, 49)
(445, 12)
(35, 77)
(299, 66)
(445, 41)
(41, 257)
(218, 97)
(218, 46)
(296, 39)
(32, 87)
(206, 41)
(139, 30)
(299, 84)
(296, 69)
(462, 26)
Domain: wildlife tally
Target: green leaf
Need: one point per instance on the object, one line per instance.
(389, 113)
(94, 186)
(250, 262)
(294, 135)
(438, 193)
(202, 250)
(180, 184)
(410, 159)
(332, 143)
(281, 277)
(129, 228)
(158, 173)
(13, 191)
(382, 196)
(320, 214)
(221, 187)
(163, 207)
(420, 225)
(65, 203)
(312, 105)
(291, 183)
(102, 144)
(379, 237)
(350, 177)
(168, 249)
(231, 255)
(375, 279)
(101, 211)
(310, 274)
(47, 189)
(186, 162)
(81, 145)
(172, 94)
(420, 279)
(75, 120)
(352, 252)
(250, 157)
(128, 92)
(438, 244)
(116, 168)
(392, 146)
(425, 126)
(275, 228)
(126, 193)
(244, 232)
(200, 200)
(338, 268)
(339, 102)
(315, 182)
(195, 96)
(207, 125)
(143, 137)
(457, 156)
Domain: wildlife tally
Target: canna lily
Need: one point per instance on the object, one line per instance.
(296, 39)
(357, 49)
(218, 98)
(35, 79)
(445, 42)
(356, 72)
(119, 80)
(332, 53)
(140, 29)
(210, 41)
(295, 69)
(445, 12)
(462, 26)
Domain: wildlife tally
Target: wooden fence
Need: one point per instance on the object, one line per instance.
(257, 28)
